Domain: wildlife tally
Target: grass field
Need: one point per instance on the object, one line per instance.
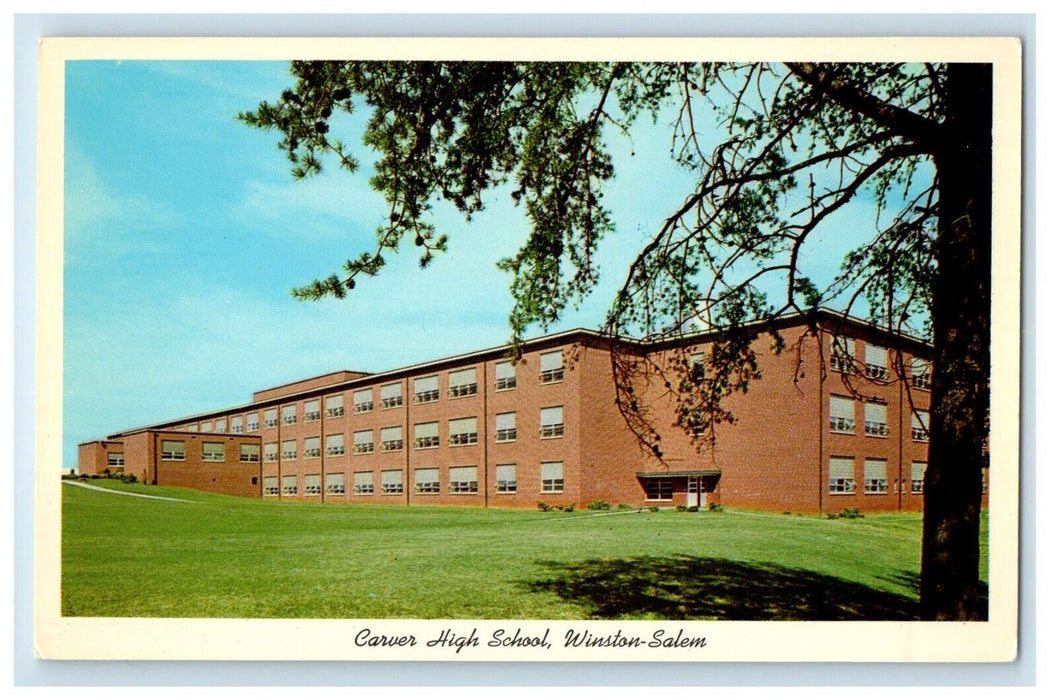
(220, 556)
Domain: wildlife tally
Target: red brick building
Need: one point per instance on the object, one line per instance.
(821, 430)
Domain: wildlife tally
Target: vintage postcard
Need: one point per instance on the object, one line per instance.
(528, 349)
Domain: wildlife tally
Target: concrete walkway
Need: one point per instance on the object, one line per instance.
(122, 493)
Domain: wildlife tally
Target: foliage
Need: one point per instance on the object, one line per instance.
(599, 504)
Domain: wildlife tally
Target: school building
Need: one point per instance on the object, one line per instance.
(838, 419)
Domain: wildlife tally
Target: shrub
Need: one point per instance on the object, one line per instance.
(681, 508)
(654, 509)
(715, 507)
(692, 509)
(623, 506)
(545, 507)
(569, 508)
(851, 514)
(599, 504)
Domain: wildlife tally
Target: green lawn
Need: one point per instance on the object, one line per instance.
(220, 556)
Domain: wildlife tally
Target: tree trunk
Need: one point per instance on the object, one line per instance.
(950, 552)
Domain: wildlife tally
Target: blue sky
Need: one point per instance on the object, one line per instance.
(184, 233)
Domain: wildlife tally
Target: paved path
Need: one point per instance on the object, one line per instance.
(122, 493)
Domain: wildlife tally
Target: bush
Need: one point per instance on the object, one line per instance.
(569, 508)
(623, 506)
(692, 509)
(851, 514)
(681, 508)
(599, 504)
(545, 507)
(128, 478)
(715, 507)
(654, 509)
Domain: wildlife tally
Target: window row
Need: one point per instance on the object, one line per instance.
(176, 451)
(842, 476)
(426, 481)
(842, 358)
(842, 418)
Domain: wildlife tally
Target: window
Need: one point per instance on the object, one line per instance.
(363, 484)
(462, 480)
(271, 486)
(212, 452)
(427, 435)
(115, 459)
(462, 383)
(876, 362)
(505, 376)
(336, 484)
(658, 489)
(290, 485)
(876, 422)
(249, 453)
(841, 414)
(392, 396)
(289, 415)
(920, 373)
(253, 421)
(506, 427)
(392, 482)
(335, 444)
(462, 431)
(236, 424)
(427, 389)
(363, 401)
(363, 442)
(312, 487)
(311, 411)
(311, 447)
(191, 428)
(220, 425)
(334, 407)
(697, 367)
(552, 477)
(841, 475)
(289, 449)
(271, 418)
(427, 481)
(842, 353)
(919, 426)
(206, 427)
(506, 478)
(917, 477)
(551, 368)
(875, 476)
(552, 424)
(271, 451)
(392, 438)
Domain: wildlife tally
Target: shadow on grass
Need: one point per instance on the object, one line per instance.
(912, 580)
(685, 587)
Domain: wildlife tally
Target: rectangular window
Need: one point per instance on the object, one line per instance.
(212, 452)
(920, 373)
(841, 475)
(271, 417)
(312, 410)
(917, 477)
(462, 431)
(289, 415)
(392, 482)
(311, 447)
(427, 481)
(336, 484)
(552, 477)
(919, 426)
(312, 485)
(334, 408)
(505, 427)
(875, 476)
(249, 453)
(551, 367)
(659, 489)
(842, 353)
(363, 442)
(506, 478)
(876, 362)
(363, 401)
(392, 438)
(462, 383)
(392, 395)
(363, 484)
(427, 435)
(191, 428)
(289, 449)
(271, 451)
(841, 414)
(552, 422)
(876, 422)
(115, 459)
(206, 427)
(271, 486)
(505, 376)
(427, 389)
(253, 421)
(335, 444)
(462, 480)
(220, 425)
(290, 485)
(236, 424)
